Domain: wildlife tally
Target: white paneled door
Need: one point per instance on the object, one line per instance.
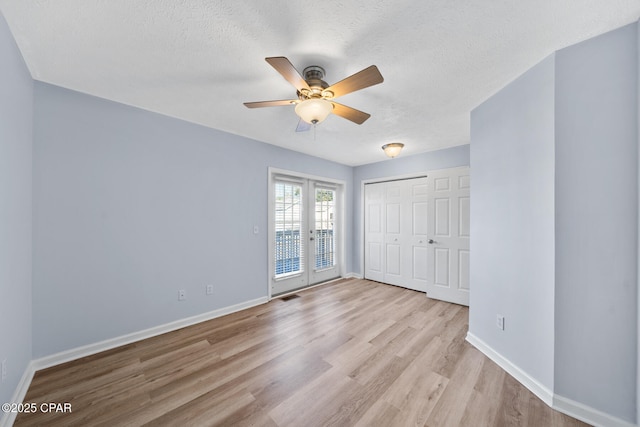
(448, 252)
(417, 234)
(374, 261)
(396, 233)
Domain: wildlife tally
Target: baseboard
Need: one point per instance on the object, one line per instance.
(562, 404)
(353, 276)
(8, 418)
(534, 386)
(587, 414)
(90, 349)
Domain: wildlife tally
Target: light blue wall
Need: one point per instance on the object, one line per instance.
(416, 164)
(512, 222)
(131, 206)
(596, 221)
(16, 125)
(554, 220)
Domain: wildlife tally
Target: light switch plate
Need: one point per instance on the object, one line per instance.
(500, 322)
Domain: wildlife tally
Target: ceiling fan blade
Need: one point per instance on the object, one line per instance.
(288, 71)
(368, 77)
(303, 126)
(349, 113)
(261, 104)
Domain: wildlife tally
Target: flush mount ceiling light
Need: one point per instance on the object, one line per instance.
(392, 149)
(315, 97)
(314, 110)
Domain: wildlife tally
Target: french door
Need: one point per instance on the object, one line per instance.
(305, 233)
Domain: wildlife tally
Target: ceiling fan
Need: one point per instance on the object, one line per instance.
(315, 98)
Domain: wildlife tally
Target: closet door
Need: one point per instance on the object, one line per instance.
(395, 233)
(417, 234)
(373, 232)
(418, 240)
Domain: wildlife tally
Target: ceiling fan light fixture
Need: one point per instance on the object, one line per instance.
(314, 111)
(392, 149)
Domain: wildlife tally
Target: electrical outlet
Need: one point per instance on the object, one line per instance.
(209, 289)
(4, 370)
(500, 322)
(182, 295)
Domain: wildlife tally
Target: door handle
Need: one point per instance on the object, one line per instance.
(311, 238)
(431, 241)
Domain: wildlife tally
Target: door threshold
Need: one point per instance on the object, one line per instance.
(304, 288)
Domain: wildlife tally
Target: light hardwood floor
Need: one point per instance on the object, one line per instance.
(350, 353)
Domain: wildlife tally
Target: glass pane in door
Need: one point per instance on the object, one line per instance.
(289, 257)
(324, 228)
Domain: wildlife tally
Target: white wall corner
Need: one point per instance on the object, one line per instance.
(559, 403)
(8, 418)
(587, 414)
(530, 383)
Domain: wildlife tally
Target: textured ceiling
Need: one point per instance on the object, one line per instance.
(199, 60)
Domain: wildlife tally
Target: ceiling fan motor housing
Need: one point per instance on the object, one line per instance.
(314, 76)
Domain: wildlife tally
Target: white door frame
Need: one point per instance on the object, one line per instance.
(340, 242)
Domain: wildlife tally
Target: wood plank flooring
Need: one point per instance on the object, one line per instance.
(349, 353)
